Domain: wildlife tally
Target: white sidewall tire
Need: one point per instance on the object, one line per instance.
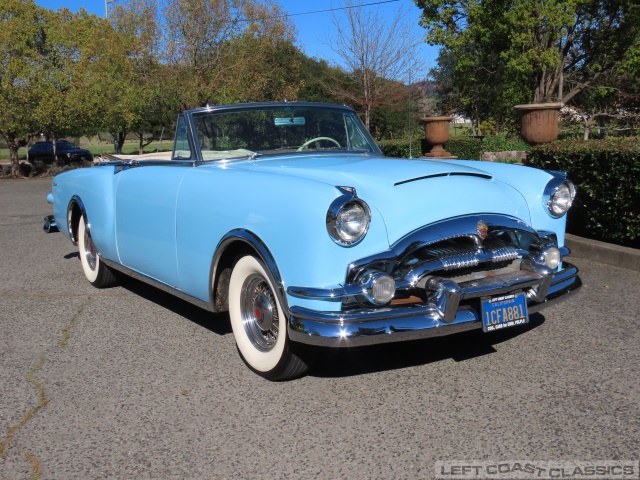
(92, 275)
(258, 360)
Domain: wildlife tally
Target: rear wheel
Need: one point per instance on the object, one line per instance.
(98, 274)
(259, 323)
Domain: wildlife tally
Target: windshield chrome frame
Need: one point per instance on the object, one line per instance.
(191, 130)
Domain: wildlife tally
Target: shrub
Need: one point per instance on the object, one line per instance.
(465, 148)
(400, 148)
(502, 143)
(607, 175)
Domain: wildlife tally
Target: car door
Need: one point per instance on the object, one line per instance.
(48, 153)
(146, 220)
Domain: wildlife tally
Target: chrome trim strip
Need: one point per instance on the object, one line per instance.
(157, 284)
(445, 174)
(385, 325)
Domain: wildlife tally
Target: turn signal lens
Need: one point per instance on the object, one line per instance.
(551, 257)
(383, 289)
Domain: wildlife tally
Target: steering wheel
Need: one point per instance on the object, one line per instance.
(317, 139)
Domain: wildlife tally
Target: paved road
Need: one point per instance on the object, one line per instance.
(127, 383)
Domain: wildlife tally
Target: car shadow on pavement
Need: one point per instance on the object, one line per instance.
(342, 362)
(217, 323)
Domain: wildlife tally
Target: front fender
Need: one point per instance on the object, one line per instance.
(287, 215)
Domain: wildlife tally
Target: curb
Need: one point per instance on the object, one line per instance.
(602, 252)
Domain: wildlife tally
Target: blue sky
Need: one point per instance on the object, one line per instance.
(312, 28)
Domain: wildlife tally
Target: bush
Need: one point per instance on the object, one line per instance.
(466, 148)
(502, 143)
(607, 175)
(400, 148)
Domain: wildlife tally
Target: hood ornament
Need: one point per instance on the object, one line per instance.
(482, 229)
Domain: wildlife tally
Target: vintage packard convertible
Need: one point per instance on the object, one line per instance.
(288, 216)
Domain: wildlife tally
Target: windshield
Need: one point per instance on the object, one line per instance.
(228, 134)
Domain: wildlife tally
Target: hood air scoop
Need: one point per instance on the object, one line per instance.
(445, 174)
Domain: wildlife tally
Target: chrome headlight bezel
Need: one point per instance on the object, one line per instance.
(336, 231)
(559, 195)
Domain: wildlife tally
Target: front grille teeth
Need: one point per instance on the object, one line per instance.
(504, 254)
(465, 260)
(458, 257)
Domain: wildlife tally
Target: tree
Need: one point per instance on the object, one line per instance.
(545, 44)
(373, 52)
(216, 46)
(22, 41)
(67, 87)
(474, 84)
(149, 102)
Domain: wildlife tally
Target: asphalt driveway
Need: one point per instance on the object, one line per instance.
(130, 383)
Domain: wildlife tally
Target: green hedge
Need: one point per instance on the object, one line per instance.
(502, 143)
(466, 148)
(607, 175)
(400, 148)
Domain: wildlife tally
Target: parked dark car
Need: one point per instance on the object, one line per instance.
(66, 153)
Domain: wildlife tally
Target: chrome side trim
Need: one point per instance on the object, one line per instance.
(384, 325)
(157, 284)
(258, 245)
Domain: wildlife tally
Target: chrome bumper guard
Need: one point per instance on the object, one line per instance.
(442, 315)
(50, 225)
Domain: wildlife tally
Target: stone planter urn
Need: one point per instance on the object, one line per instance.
(436, 134)
(539, 122)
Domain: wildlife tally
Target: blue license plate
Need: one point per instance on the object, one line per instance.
(504, 311)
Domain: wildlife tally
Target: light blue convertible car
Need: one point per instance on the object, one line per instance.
(288, 216)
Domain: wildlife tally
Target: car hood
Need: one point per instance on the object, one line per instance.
(407, 193)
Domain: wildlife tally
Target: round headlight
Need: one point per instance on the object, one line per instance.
(561, 199)
(348, 222)
(352, 222)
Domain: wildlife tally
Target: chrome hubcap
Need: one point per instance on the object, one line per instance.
(90, 252)
(259, 313)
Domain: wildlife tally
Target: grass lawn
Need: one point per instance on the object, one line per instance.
(129, 148)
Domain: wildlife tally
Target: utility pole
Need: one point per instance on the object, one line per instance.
(106, 7)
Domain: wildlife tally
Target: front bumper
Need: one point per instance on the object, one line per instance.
(385, 325)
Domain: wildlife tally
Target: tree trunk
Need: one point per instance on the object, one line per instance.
(15, 164)
(14, 145)
(587, 129)
(118, 141)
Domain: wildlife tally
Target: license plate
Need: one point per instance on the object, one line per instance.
(504, 311)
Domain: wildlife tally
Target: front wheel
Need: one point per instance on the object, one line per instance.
(98, 274)
(259, 323)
